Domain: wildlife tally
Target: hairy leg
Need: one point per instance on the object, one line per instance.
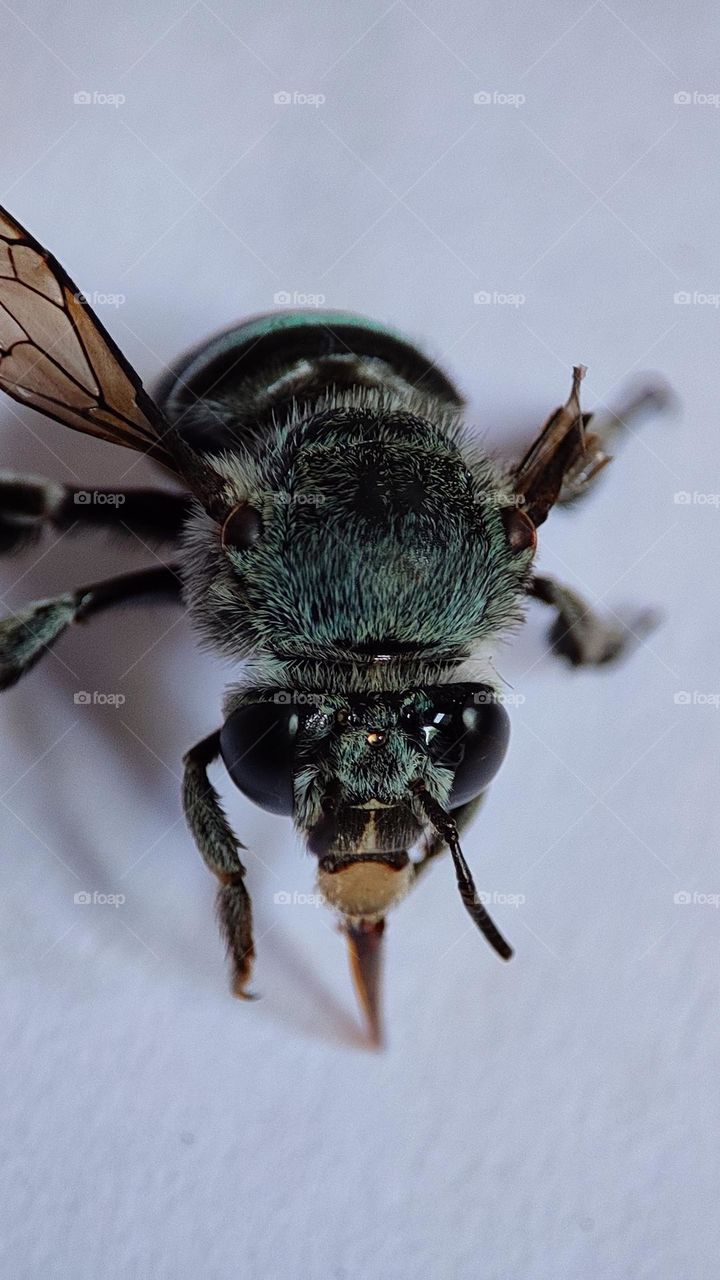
(27, 635)
(220, 849)
(581, 635)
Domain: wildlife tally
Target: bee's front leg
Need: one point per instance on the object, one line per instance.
(581, 635)
(220, 848)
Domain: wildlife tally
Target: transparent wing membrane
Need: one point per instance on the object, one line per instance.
(56, 356)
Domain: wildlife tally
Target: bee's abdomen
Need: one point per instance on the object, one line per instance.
(249, 373)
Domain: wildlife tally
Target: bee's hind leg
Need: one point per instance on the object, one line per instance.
(25, 636)
(220, 849)
(31, 505)
(582, 636)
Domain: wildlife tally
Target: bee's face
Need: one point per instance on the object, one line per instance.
(345, 766)
(348, 769)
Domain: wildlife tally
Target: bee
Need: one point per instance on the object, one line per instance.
(336, 532)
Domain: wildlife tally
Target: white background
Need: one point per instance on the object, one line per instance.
(554, 1117)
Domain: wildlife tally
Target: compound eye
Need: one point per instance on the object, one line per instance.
(257, 744)
(473, 741)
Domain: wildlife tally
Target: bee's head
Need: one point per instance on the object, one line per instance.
(350, 769)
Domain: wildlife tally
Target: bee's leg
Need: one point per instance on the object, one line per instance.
(29, 505)
(220, 848)
(26, 635)
(434, 844)
(581, 635)
(602, 430)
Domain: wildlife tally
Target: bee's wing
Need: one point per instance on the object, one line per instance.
(539, 477)
(56, 355)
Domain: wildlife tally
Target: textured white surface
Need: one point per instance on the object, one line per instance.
(556, 1117)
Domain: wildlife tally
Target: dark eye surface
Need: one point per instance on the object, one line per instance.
(242, 527)
(257, 744)
(471, 738)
